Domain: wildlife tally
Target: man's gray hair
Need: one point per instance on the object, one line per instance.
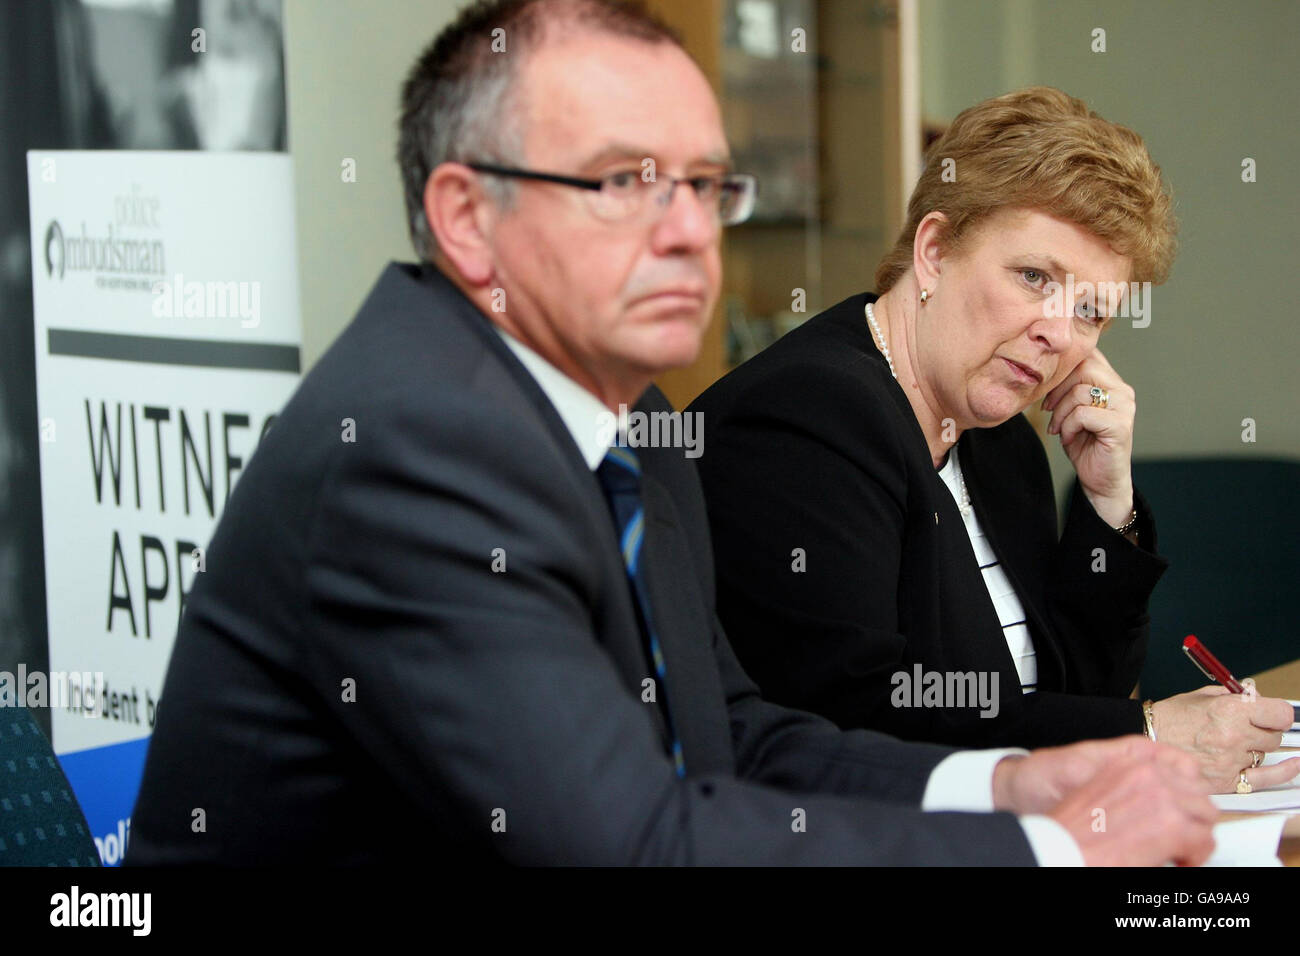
(458, 102)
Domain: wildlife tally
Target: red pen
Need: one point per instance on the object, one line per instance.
(1209, 664)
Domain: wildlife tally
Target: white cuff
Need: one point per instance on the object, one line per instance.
(964, 780)
(1051, 842)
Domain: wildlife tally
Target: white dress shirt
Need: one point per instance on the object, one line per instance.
(961, 781)
(1011, 613)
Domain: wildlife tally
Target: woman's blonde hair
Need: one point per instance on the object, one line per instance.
(1042, 149)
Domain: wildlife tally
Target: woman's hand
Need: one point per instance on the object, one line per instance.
(1221, 729)
(1098, 441)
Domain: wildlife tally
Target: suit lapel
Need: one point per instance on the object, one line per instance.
(468, 313)
(682, 623)
(614, 620)
(695, 696)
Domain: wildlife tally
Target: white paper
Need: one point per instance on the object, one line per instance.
(1285, 799)
(1251, 841)
(1277, 756)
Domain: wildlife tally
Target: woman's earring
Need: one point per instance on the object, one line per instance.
(925, 295)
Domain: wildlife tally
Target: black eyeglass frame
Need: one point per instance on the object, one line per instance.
(595, 185)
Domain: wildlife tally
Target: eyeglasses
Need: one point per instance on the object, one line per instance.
(626, 195)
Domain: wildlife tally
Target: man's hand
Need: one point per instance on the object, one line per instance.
(1037, 783)
(1126, 802)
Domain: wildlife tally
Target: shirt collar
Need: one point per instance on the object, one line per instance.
(586, 418)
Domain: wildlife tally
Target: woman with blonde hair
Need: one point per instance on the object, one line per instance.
(883, 516)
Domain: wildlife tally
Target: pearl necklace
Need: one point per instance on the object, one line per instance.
(964, 505)
(879, 338)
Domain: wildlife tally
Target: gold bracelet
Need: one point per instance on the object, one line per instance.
(1127, 526)
(1149, 719)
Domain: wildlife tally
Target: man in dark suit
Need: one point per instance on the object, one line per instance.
(444, 613)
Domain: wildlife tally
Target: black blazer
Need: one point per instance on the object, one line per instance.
(353, 681)
(812, 445)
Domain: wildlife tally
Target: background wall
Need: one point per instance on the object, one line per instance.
(345, 63)
(1205, 84)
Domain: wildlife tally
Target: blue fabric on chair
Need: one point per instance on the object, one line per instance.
(1231, 531)
(41, 823)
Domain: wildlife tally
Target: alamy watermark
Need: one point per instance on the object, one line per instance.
(922, 688)
(130, 910)
(1122, 300)
(638, 429)
(178, 299)
(81, 691)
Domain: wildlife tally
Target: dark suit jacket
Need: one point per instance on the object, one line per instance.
(353, 682)
(813, 445)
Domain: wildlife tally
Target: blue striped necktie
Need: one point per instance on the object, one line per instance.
(620, 477)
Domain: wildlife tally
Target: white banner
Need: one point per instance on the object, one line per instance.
(167, 339)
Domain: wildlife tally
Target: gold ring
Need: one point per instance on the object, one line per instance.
(1256, 758)
(1243, 785)
(1100, 397)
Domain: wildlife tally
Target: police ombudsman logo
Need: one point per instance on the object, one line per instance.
(54, 257)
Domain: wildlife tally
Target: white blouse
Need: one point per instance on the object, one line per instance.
(1011, 614)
